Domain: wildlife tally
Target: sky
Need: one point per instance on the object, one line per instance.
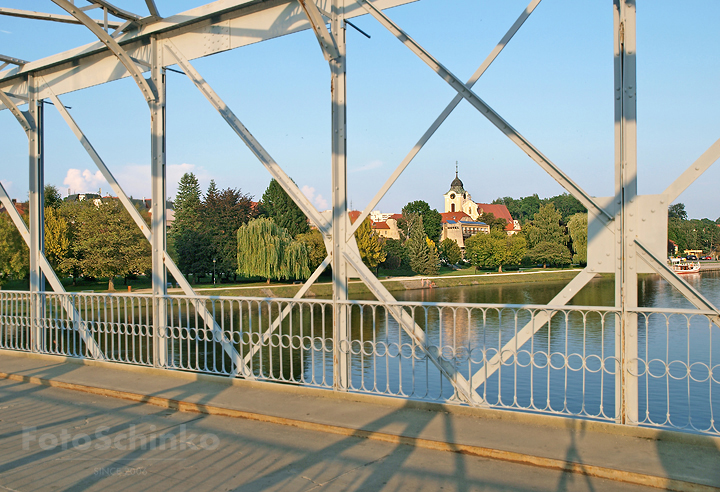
(553, 83)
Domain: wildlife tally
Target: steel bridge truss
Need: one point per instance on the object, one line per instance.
(626, 233)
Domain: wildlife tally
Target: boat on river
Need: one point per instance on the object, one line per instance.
(681, 266)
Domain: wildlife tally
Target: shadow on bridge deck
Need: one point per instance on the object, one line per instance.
(326, 441)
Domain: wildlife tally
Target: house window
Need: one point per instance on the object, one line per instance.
(452, 207)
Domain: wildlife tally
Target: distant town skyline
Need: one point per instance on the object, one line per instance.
(560, 99)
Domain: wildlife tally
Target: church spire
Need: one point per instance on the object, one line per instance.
(456, 184)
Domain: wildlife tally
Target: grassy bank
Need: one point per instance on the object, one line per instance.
(323, 288)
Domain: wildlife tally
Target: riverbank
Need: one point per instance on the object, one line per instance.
(393, 284)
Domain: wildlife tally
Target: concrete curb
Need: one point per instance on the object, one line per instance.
(544, 420)
(496, 454)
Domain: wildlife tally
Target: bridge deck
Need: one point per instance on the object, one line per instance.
(341, 441)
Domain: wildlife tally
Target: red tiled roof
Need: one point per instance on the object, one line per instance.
(380, 225)
(396, 216)
(21, 207)
(499, 211)
(456, 216)
(353, 214)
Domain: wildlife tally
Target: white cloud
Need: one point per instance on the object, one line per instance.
(320, 202)
(367, 167)
(135, 179)
(84, 181)
(5, 32)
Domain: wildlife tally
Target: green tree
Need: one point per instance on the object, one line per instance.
(494, 222)
(450, 252)
(396, 255)
(267, 250)
(277, 205)
(70, 211)
(187, 205)
(677, 211)
(109, 242)
(578, 227)
(495, 250)
(550, 253)
(369, 245)
(57, 241)
(195, 253)
(14, 253)
(424, 259)
(52, 197)
(567, 205)
(546, 227)
(221, 215)
(432, 220)
(188, 236)
(522, 209)
(315, 246)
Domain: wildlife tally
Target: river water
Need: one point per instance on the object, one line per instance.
(566, 367)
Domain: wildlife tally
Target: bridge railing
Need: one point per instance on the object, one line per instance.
(503, 356)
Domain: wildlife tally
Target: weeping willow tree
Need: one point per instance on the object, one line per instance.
(267, 250)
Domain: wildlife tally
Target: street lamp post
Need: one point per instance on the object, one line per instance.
(214, 261)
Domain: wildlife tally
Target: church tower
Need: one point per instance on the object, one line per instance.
(459, 200)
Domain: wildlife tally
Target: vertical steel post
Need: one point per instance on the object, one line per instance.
(340, 220)
(158, 224)
(37, 211)
(626, 337)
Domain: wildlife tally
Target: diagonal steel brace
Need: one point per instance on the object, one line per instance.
(324, 37)
(539, 320)
(275, 170)
(207, 317)
(52, 278)
(673, 279)
(112, 45)
(444, 115)
(415, 332)
(505, 127)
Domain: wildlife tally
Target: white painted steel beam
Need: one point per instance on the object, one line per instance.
(159, 205)
(276, 324)
(67, 19)
(325, 38)
(20, 116)
(626, 226)
(218, 26)
(262, 155)
(540, 319)
(90, 344)
(690, 293)
(36, 202)
(444, 115)
(117, 11)
(693, 172)
(505, 127)
(112, 45)
(152, 8)
(10, 59)
(137, 218)
(340, 219)
(462, 386)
